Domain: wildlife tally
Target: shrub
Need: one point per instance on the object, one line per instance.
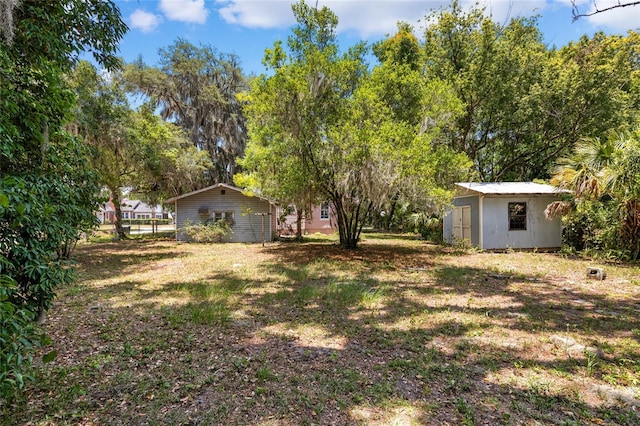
(215, 232)
(18, 338)
(429, 227)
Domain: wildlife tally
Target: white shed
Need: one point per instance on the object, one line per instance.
(249, 216)
(501, 215)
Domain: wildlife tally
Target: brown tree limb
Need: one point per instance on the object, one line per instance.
(577, 14)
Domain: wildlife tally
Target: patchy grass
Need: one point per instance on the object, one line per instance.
(396, 332)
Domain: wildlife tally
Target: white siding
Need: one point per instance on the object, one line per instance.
(540, 232)
(247, 225)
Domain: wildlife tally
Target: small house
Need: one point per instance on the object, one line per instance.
(250, 217)
(502, 215)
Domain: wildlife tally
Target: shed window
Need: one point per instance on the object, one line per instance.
(517, 216)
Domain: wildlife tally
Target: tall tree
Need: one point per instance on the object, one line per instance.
(427, 109)
(132, 149)
(47, 190)
(197, 88)
(324, 113)
(171, 165)
(103, 119)
(525, 105)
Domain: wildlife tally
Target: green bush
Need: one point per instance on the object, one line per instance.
(18, 338)
(593, 229)
(429, 227)
(215, 232)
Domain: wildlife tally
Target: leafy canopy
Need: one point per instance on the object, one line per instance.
(324, 127)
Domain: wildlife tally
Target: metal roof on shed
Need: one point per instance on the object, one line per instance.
(509, 188)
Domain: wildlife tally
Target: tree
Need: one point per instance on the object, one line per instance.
(104, 119)
(132, 149)
(324, 114)
(47, 191)
(197, 88)
(603, 175)
(427, 108)
(171, 165)
(524, 105)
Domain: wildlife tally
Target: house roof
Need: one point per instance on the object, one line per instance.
(208, 188)
(510, 188)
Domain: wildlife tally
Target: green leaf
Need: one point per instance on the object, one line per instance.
(50, 356)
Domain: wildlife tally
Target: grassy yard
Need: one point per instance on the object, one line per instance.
(399, 332)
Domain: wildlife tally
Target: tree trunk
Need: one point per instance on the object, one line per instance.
(350, 222)
(392, 211)
(299, 214)
(631, 228)
(115, 199)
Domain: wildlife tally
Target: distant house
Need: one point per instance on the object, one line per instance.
(248, 216)
(136, 209)
(106, 213)
(131, 209)
(503, 215)
(322, 219)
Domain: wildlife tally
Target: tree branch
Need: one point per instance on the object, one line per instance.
(577, 14)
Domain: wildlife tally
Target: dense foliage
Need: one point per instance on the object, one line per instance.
(382, 143)
(212, 232)
(132, 149)
(526, 105)
(604, 177)
(47, 190)
(324, 127)
(196, 88)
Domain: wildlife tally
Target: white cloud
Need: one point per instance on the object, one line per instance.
(365, 18)
(144, 21)
(257, 14)
(191, 11)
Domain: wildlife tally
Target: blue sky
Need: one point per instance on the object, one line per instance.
(247, 27)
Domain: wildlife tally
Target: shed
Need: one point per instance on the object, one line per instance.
(245, 213)
(502, 215)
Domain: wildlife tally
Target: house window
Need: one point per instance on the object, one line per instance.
(517, 216)
(143, 216)
(227, 216)
(125, 215)
(324, 211)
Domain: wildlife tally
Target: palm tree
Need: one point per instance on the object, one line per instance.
(622, 180)
(605, 169)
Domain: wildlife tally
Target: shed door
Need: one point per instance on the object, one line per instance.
(462, 223)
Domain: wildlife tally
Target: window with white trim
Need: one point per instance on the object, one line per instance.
(324, 211)
(226, 216)
(125, 215)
